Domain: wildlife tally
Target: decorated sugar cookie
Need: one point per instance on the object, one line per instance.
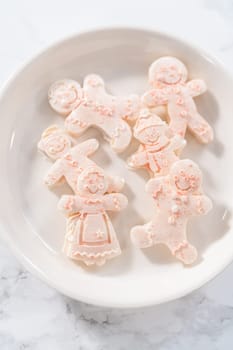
(168, 78)
(92, 106)
(90, 235)
(178, 197)
(158, 149)
(70, 158)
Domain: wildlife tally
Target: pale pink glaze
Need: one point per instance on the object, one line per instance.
(158, 149)
(167, 76)
(92, 106)
(178, 196)
(90, 236)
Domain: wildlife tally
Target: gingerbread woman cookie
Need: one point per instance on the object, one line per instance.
(178, 196)
(70, 161)
(158, 150)
(92, 106)
(168, 76)
(90, 236)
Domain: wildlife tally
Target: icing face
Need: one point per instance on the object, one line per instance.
(64, 96)
(186, 176)
(92, 182)
(56, 145)
(168, 71)
(169, 75)
(154, 135)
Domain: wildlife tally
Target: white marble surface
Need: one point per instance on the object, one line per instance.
(33, 315)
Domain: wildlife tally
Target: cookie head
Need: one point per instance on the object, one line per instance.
(64, 96)
(186, 176)
(92, 181)
(54, 142)
(151, 130)
(167, 71)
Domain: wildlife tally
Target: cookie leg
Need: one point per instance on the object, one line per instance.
(178, 125)
(141, 237)
(118, 133)
(184, 251)
(75, 123)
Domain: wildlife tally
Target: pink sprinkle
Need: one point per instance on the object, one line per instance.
(179, 101)
(183, 114)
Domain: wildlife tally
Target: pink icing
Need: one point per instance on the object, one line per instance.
(168, 76)
(96, 108)
(157, 151)
(90, 235)
(178, 197)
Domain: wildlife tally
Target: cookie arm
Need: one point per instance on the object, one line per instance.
(86, 148)
(199, 205)
(115, 202)
(155, 187)
(138, 159)
(54, 174)
(69, 204)
(115, 183)
(196, 87)
(128, 107)
(155, 97)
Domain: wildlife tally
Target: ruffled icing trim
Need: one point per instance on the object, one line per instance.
(98, 255)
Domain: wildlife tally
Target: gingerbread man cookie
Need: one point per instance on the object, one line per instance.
(168, 76)
(92, 106)
(90, 236)
(70, 161)
(178, 196)
(158, 150)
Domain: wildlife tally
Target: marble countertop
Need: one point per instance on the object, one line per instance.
(34, 316)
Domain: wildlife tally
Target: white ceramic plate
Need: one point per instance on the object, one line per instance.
(33, 226)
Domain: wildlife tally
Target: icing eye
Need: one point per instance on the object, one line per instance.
(193, 184)
(163, 69)
(61, 139)
(101, 186)
(173, 67)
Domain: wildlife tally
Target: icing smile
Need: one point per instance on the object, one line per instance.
(58, 148)
(182, 185)
(153, 138)
(92, 188)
